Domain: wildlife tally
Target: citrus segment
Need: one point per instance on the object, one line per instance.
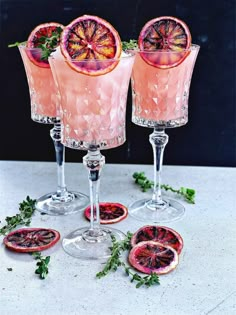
(168, 39)
(153, 257)
(161, 234)
(109, 212)
(31, 239)
(88, 41)
(46, 36)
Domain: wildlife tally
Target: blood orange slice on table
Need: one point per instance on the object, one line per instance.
(170, 36)
(153, 257)
(31, 239)
(46, 36)
(161, 234)
(109, 212)
(91, 39)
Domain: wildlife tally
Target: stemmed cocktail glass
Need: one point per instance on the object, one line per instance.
(160, 101)
(93, 110)
(44, 109)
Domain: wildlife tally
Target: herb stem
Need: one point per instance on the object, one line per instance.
(145, 184)
(114, 262)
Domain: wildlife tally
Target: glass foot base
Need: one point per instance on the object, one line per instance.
(143, 211)
(53, 205)
(84, 244)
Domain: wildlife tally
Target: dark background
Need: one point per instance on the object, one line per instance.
(210, 136)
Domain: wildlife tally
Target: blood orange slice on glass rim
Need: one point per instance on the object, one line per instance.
(46, 36)
(153, 257)
(161, 234)
(91, 45)
(110, 212)
(31, 239)
(169, 37)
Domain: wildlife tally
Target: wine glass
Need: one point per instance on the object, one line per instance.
(93, 110)
(44, 109)
(160, 101)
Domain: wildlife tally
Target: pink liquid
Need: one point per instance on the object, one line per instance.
(42, 90)
(160, 96)
(93, 108)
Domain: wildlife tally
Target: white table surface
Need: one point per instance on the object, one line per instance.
(203, 283)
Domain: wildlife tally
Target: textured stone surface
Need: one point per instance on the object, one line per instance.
(203, 283)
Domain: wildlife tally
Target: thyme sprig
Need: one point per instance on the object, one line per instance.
(45, 43)
(16, 44)
(146, 184)
(26, 209)
(148, 280)
(42, 264)
(114, 262)
(132, 44)
(49, 44)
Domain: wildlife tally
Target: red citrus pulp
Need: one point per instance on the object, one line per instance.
(169, 37)
(153, 257)
(31, 239)
(161, 234)
(109, 212)
(93, 40)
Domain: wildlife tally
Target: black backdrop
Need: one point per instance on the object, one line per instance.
(210, 136)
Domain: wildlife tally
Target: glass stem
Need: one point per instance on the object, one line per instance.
(55, 134)
(158, 140)
(94, 162)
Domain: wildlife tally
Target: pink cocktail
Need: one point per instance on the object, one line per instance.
(93, 108)
(93, 111)
(160, 96)
(160, 100)
(42, 89)
(45, 109)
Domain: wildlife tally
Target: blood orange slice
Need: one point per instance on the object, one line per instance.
(153, 257)
(31, 239)
(91, 45)
(109, 212)
(170, 36)
(161, 234)
(46, 37)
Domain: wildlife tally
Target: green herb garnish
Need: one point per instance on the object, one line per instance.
(16, 44)
(45, 43)
(49, 44)
(130, 45)
(115, 261)
(42, 264)
(148, 281)
(146, 184)
(26, 209)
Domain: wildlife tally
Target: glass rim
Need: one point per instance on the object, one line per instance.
(191, 48)
(128, 55)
